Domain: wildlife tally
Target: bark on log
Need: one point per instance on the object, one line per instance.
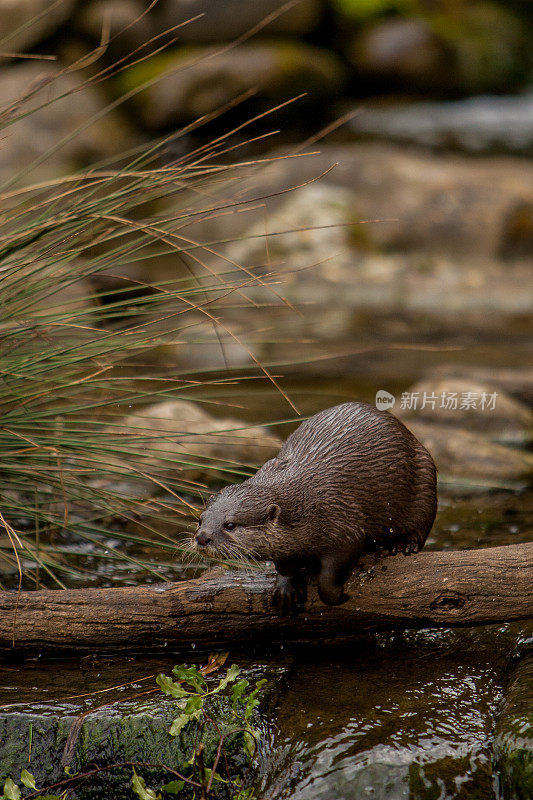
(469, 587)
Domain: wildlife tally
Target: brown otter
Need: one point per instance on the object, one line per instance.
(349, 479)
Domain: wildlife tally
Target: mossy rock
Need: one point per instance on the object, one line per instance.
(137, 733)
(185, 83)
(513, 743)
(442, 51)
(34, 736)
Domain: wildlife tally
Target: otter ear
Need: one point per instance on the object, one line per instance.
(273, 513)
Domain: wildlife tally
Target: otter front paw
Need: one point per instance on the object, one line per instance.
(333, 575)
(289, 595)
(332, 595)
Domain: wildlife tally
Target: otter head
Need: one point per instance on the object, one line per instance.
(239, 521)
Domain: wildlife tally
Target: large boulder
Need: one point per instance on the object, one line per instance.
(311, 251)
(177, 434)
(185, 83)
(478, 407)
(471, 460)
(516, 381)
(314, 225)
(445, 204)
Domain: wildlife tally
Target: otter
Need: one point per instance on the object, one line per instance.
(349, 479)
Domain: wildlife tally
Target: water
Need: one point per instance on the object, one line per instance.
(408, 715)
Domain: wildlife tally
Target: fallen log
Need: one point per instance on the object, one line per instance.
(469, 587)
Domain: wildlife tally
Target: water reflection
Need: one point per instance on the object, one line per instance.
(406, 716)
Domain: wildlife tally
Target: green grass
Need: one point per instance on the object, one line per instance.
(74, 357)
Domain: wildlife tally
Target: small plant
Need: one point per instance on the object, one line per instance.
(193, 703)
(192, 700)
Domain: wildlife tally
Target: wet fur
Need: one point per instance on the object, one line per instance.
(349, 479)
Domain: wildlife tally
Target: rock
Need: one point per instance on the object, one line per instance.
(438, 52)
(226, 20)
(475, 125)
(316, 224)
(513, 735)
(478, 407)
(40, 16)
(130, 27)
(405, 51)
(516, 381)
(380, 778)
(189, 82)
(45, 133)
(165, 433)
(324, 263)
(452, 205)
(470, 459)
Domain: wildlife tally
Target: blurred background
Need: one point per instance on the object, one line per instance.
(416, 114)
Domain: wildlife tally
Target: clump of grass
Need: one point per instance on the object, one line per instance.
(74, 355)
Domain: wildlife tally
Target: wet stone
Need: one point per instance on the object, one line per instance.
(471, 460)
(483, 124)
(513, 745)
(479, 407)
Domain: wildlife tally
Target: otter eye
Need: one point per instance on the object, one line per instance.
(229, 526)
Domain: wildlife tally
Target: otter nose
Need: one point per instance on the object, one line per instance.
(202, 538)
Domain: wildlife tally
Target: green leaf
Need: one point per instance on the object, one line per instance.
(174, 787)
(362, 10)
(170, 687)
(181, 721)
(190, 675)
(27, 779)
(252, 701)
(194, 703)
(141, 790)
(250, 744)
(238, 691)
(217, 778)
(231, 674)
(11, 790)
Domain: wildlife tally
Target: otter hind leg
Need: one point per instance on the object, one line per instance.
(290, 591)
(334, 572)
